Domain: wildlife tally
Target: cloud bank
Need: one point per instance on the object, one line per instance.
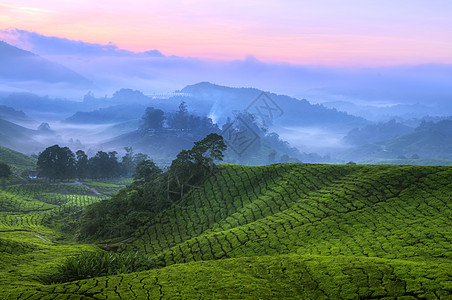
(111, 68)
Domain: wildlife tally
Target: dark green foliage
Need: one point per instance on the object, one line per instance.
(146, 171)
(152, 191)
(191, 166)
(57, 163)
(96, 264)
(82, 165)
(104, 165)
(61, 163)
(5, 170)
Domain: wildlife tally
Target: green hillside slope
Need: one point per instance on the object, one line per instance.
(17, 161)
(286, 231)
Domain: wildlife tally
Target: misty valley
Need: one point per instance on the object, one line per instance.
(132, 175)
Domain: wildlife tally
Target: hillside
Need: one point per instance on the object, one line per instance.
(12, 115)
(17, 161)
(286, 231)
(17, 137)
(430, 140)
(377, 133)
(112, 114)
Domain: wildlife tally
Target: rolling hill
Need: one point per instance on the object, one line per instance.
(17, 137)
(18, 161)
(277, 231)
(430, 140)
(12, 115)
(284, 110)
(112, 114)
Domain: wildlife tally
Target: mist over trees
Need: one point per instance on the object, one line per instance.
(181, 120)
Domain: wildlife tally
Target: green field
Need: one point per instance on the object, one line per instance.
(279, 231)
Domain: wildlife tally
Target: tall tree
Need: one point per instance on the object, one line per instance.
(128, 165)
(57, 163)
(82, 164)
(146, 171)
(153, 118)
(104, 165)
(181, 118)
(5, 170)
(191, 166)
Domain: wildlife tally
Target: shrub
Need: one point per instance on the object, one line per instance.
(95, 264)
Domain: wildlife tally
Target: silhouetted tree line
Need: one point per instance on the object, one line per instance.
(157, 119)
(61, 163)
(5, 170)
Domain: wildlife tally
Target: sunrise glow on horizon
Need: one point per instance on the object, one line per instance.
(326, 32)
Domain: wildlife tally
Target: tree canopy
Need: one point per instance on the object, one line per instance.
(56, 162)
(60, 163)
(5, 170)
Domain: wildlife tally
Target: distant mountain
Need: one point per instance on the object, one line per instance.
(17, 137)
(39, 106)
(23, 66)
(10, 114)
(278, 110)
(376, 133)
(429, 140)
(113, 114)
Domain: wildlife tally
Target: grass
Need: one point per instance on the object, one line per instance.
(279, 231)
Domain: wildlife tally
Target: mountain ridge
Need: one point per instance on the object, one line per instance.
(19, 65)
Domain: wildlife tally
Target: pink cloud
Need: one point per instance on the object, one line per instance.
(325, 32)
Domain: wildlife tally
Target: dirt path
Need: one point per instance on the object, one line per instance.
(86, 186)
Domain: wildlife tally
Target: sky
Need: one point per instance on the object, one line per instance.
(321, 32)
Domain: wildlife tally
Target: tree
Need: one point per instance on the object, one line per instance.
(191, 166)
(57, 163)
(5, 170)
(208, 150)
(139, 157)
(127, 163)
(146, 171)
(104, 165)
(181, 118)
(82, 164)
(153, 118)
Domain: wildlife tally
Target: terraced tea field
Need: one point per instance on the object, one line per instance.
(280, 231)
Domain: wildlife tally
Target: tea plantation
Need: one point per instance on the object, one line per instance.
(280, 231)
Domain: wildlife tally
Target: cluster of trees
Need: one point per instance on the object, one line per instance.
(61, 163)
(180, 120)
(5, 171)
(152, 191)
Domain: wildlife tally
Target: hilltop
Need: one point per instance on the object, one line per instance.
(284, 230)
(288, 111)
